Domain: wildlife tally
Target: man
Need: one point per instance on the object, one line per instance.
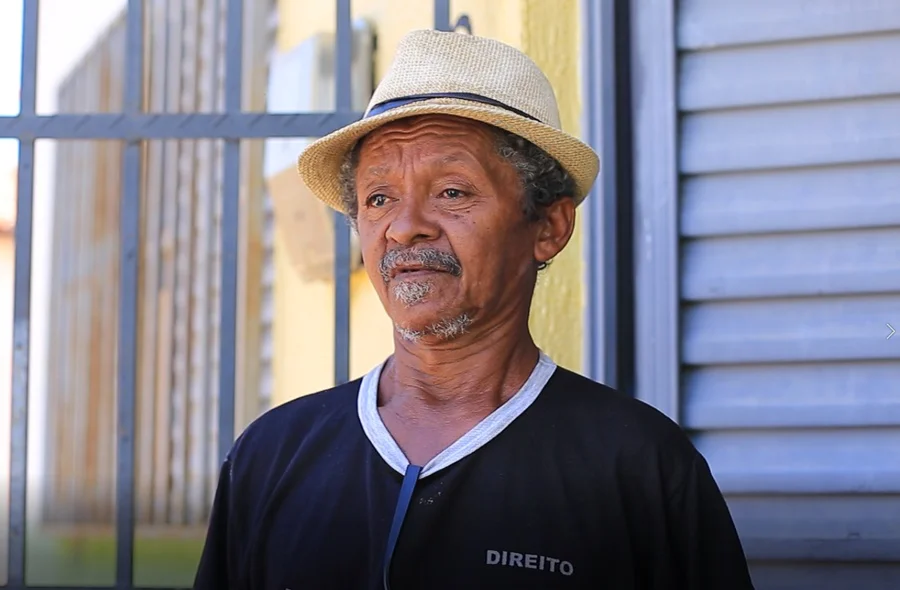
(468, 459)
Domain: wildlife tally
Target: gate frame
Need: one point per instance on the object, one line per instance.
(133, 126)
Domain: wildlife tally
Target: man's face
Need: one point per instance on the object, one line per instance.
(441, 227)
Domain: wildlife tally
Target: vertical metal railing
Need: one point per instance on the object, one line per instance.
(607, 127)
(133, 127)
(343, 102)
(130, 236)
(600, 349)
(442, 15)
(22, 305)
(231, 183)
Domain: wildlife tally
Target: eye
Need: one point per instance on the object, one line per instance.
(453, 193)
(377, 200)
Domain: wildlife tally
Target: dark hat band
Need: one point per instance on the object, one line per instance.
(406, 100)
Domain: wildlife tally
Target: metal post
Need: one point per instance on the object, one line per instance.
(657, 297)
(22, 306)
(599, 292)
(442, 15)
(607, 127)
(174, 125)
(231, 190)
(130, 235)
(343, 103)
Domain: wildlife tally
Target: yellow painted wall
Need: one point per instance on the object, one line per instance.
(550, 36)
(545, 29)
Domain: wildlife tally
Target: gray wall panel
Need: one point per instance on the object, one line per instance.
(797, 329)
(789, 268)
(864, 130)
(841, 196)
(792, 395)
(789, 264)
(804, 461)
(714, 23)
(826, 576)
(803, 527)
(792, 72)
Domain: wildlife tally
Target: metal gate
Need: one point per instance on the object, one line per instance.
(133, 127)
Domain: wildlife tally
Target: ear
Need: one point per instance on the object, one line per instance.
(555, 229)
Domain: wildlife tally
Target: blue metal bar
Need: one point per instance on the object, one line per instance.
(598, 291)
(343, 103)
(442, 15)
(618, 213)
(607, 124)
(22, 307)
(174, 125)
(607, 127)
(657, 356)
(130, 236)
(234, 68)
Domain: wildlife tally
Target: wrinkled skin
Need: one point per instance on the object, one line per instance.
(435, 185)
(435, 198)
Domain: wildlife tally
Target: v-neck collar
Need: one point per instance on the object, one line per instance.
(474, 439)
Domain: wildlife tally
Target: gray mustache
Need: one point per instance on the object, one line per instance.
(430, 258)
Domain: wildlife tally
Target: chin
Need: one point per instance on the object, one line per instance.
(437, 330)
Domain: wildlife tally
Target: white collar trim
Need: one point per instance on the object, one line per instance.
(477, 437)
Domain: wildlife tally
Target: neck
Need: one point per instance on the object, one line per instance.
(471, 375)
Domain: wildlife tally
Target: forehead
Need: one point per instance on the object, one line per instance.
(450, 139)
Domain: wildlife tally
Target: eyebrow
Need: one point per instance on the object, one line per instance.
(377, 170)
(453, 159)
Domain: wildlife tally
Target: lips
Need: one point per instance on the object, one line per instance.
(397, 264)
(413, 271)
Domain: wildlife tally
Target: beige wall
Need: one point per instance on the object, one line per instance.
(545, 29)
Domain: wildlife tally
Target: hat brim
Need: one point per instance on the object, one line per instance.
(319, 164)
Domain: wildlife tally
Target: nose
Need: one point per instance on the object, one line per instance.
(412, 224)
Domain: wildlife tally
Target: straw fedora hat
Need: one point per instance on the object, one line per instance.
(462, 75)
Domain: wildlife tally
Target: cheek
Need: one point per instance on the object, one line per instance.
(497, 241)
(371, 249)
(466, 239)
(482, 247)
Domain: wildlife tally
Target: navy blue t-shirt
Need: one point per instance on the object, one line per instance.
(568, 485)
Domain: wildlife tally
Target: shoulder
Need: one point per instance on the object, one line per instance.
(283, 429)
(610, 418)
(608, 428)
